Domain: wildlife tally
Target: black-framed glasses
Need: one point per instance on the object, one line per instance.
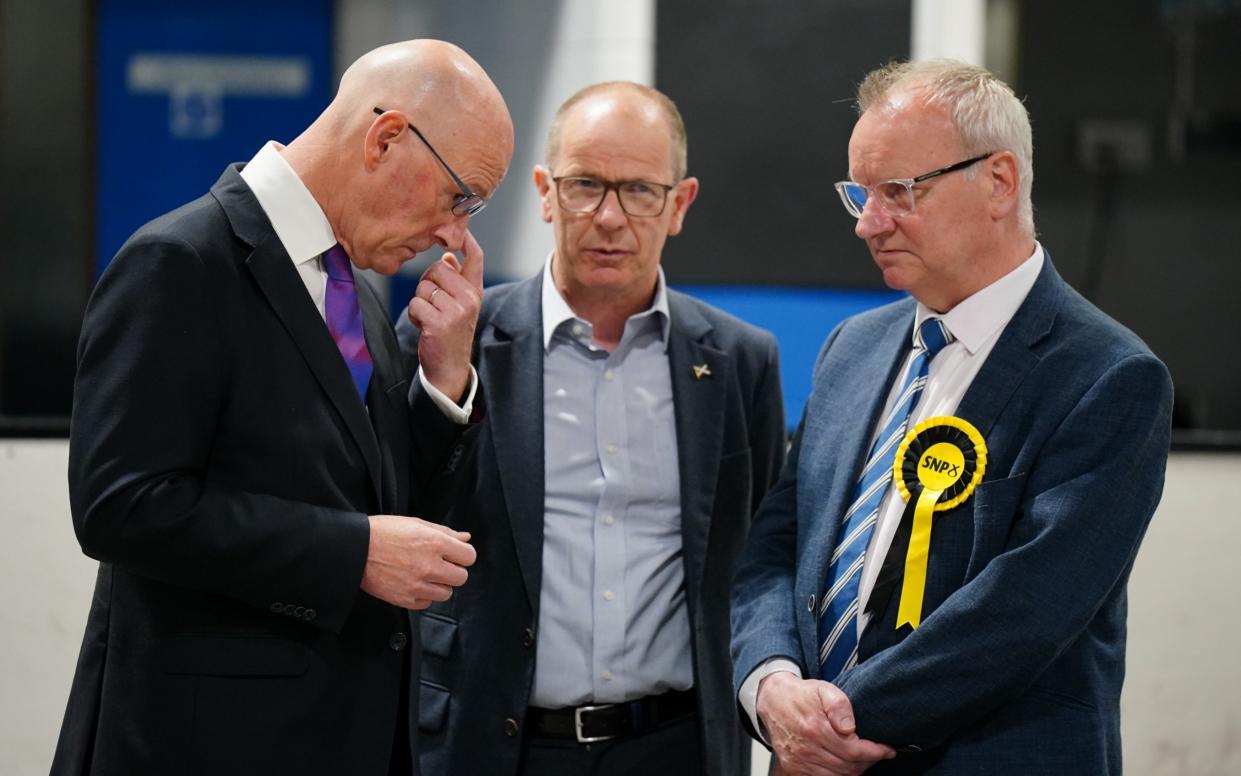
(467, 203)
(894, 197)
(643, 199)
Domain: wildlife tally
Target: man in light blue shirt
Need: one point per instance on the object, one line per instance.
(630, 432)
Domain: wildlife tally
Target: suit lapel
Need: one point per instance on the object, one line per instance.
(280, 284)
(850, 389)
(512, 373)
(1012, 358)
(698, 396)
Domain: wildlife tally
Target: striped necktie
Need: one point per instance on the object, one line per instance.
(838, 610)
(344, 317)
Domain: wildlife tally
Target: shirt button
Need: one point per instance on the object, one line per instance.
(608, 595)
(397, 641)
(607, 676)
(608, 519)
(612, 449)
(510, 727)
(810, 603)
(607, 375)
(577, 332)
(527, 637)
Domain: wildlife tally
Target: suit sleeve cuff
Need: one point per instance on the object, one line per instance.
(457, 414)
(748, 697)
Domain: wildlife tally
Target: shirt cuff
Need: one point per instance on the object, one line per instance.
(748, 697)
(457, 414)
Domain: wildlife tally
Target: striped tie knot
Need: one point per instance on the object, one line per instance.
(932, 336)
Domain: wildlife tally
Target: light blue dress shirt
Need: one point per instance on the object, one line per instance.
(613, 623)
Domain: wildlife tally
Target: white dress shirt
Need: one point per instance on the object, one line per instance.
(305, 233)
(976, 323)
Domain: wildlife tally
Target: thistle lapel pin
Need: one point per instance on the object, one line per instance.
(701, 371)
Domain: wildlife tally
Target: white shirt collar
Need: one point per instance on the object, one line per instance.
(296, 217)
(556, 310)
(978, 317)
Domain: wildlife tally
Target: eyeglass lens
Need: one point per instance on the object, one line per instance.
(637, 198)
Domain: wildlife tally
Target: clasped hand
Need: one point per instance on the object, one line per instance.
(811, 728)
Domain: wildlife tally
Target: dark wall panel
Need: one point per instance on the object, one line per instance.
(766, 90)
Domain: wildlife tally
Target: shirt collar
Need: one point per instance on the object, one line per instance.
(978, 317)
(295, 216)
(556, 310)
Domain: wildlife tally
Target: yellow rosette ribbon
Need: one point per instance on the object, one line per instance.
(937, 467)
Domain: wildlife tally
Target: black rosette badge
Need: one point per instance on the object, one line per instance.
(937, 467)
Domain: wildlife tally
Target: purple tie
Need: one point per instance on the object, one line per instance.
(344, 317)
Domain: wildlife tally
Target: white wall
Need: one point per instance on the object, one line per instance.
(1182, 711)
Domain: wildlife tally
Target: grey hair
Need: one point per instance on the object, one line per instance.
(987, 114)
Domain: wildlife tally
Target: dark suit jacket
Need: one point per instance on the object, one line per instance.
(1018, 663)
(479, 647)
(221, 468)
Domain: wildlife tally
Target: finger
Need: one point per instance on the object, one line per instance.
(432, 591)
(837, 707)
(472, 263)
(459, 552)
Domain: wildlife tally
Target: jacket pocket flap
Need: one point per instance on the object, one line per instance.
(432, 706)
(232, 656)
(437, 633)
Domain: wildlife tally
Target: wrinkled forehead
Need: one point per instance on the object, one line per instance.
(901, 138)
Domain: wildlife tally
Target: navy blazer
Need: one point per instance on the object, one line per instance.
(221, 468)
(1018, 663)
(479, 647)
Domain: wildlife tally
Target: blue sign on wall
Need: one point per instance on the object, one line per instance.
(186, 89)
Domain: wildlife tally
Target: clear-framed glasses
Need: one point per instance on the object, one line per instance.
(467, 203)
(643, 199)
(894, 197)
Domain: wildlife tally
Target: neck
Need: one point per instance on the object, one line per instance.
(605, 309)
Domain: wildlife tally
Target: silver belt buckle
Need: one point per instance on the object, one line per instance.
(577, 724)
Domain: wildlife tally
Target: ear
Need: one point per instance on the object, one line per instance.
(1001, 169)
(682, 197)
(543, 182)
(384, 132)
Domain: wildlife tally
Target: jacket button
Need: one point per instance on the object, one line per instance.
(810, 604)
(397, 641)
(310, 615)
(277, 607)
(527, 637)
(510, 727)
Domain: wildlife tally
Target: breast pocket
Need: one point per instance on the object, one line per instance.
(995, 508)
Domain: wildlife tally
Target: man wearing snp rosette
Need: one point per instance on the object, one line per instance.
(936, 583)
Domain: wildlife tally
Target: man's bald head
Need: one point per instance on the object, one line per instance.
(430, 81)
(386, 195)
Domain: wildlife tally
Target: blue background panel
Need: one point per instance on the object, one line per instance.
(185, 89)
(801, 319)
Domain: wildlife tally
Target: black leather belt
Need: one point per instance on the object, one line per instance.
(606, 721)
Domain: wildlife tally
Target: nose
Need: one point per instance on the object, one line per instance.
(451, 234)
(609, 214)
(873, 221)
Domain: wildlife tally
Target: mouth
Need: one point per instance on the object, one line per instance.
(606, 254)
